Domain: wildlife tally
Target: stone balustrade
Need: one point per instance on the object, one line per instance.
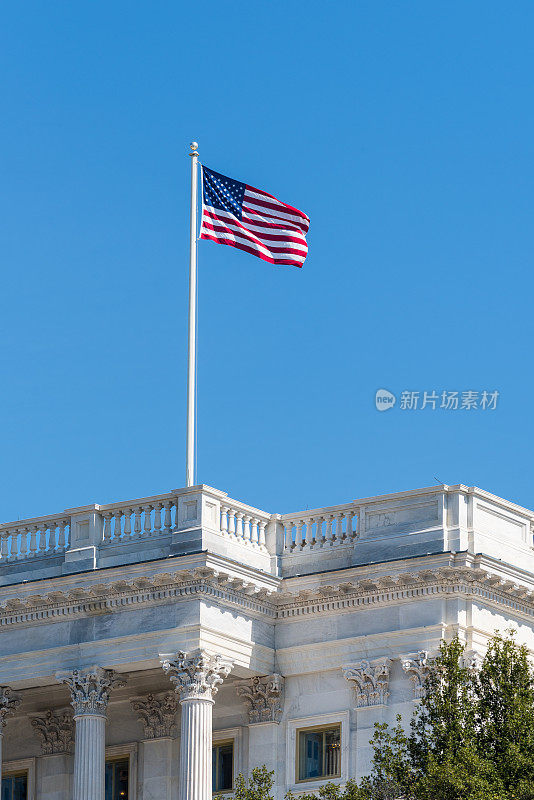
(321, 528)
(200, 518)
(34, 537)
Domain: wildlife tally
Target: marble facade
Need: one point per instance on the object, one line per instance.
(155, 632)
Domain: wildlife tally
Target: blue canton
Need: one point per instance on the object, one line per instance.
(222, 192)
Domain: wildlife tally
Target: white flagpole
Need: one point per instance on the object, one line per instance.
(192, 344)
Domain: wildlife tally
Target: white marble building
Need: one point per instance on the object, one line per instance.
(153, 649)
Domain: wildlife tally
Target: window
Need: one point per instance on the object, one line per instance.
(15, 787)
(222, 766)
(319, 753)
(116, 779)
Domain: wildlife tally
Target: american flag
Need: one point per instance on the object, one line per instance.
(237, 214)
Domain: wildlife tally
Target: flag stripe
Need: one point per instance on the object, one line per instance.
(238, 233)
(254, 252)
(282, 236)
(262, 195)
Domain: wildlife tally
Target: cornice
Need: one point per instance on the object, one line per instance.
(347, 591)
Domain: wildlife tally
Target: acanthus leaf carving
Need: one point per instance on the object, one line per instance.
(370, 680)
(90, 688)
(157, 712)
(55, 730)
(9, 702)
(417, 666)
(196, 675)
(263, 697)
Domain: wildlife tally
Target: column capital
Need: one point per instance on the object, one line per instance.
(90, 688)
(157, 712)
(370, 680)
(55, 730)
(9, 701)
(197, 674)
(263, 696)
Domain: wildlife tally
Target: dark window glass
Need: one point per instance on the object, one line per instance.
(15, 787)
(319, 753)
(222, 767)
(116, 779)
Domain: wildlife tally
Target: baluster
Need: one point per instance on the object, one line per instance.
(298, 534)
(246, 528)
(137, 521)
(61, 535)
(261, 534)
(52, 537)
(117, 520)
(157, 517)
(328, 533)
(167, 522)
(289, 535)
(339, 528)
(254, 531)
(231, 522)
(4, 546)
(147, 531)
(319, 538)
(239, 524)
(23, 552)
(107, 527)
(310, 541)
(349, 533)
(224, 520)
(127, 523)
(33, 540)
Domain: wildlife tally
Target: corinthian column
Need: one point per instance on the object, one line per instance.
(90, 689)
(9, 701)
(196, 676)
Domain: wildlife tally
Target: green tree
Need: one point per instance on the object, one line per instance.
(505, 715)
(258, 787)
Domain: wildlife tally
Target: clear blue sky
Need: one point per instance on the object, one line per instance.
(405, 130)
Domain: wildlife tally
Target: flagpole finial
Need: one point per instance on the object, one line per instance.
(194, 148)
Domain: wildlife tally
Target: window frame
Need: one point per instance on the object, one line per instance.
(19, 767)
(120, 751)
(341, 718)
(315, 729)
(214, 746)
(227, 735)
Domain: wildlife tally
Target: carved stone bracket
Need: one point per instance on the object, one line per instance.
(417, 666)
(9, 701)
(263, 696)
(196, 675)
(472, 660)
(90, 688)
(157, 712)
(55, 730)
(370, 680)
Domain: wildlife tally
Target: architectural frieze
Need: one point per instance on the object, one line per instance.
(246, 595)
